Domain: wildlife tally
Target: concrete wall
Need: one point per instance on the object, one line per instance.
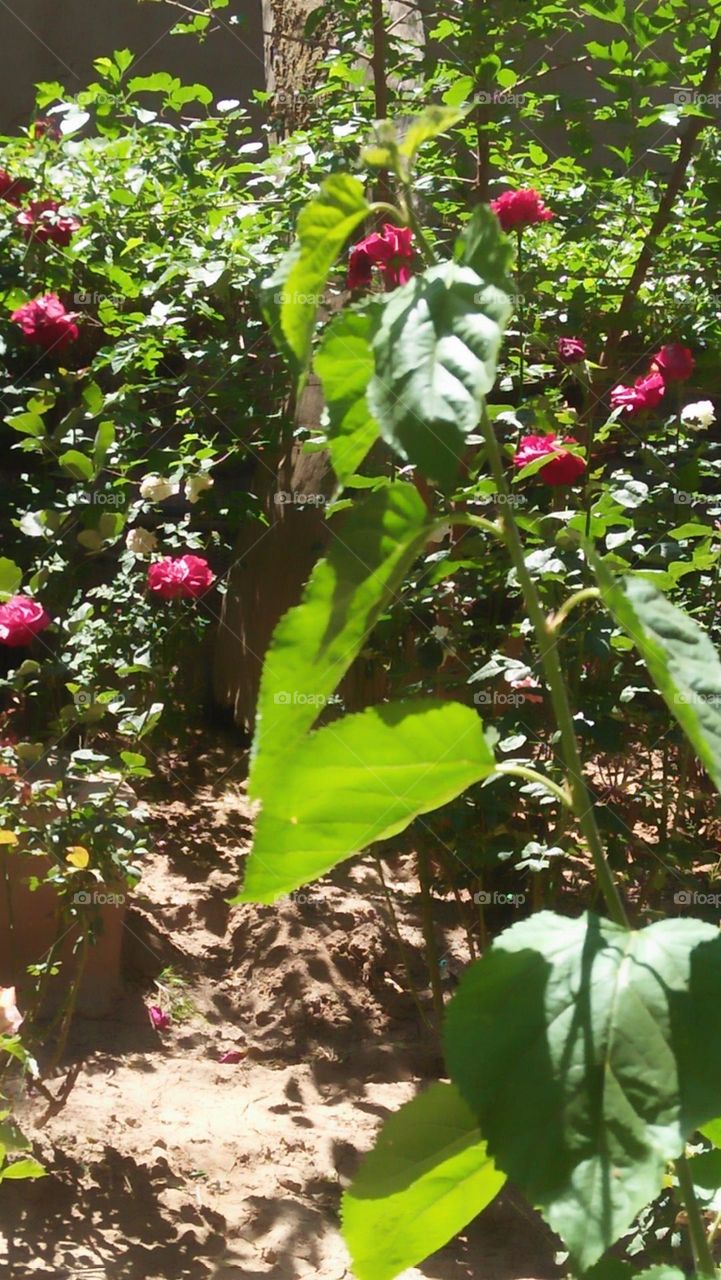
(58, 40)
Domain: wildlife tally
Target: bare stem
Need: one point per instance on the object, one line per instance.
(547, 644)
(701, 1250)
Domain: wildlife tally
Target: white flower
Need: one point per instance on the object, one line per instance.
(440, 633)
(195, 485)
(157, 488)
(141, 542)
(10, 1017)
(697, 416)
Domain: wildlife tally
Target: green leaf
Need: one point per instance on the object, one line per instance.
(436, 352)
(80, 467)
(680, 657)
(104, 441)
(28, 424)
(712, 1131)
(609, 10)
(323, 228)
(433, 122)
(428, 1175)
(190, 93)
(345, 366)
(315, 643)
(485, 249)
(93, 399)
(10, 577)
(361, 779)
(159, 82)
(11, 1136)
(271, 297)
(23, 1169)
(461, 91)
(590, 1054)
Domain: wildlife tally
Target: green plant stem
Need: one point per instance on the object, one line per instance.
(429, 934)
(420, 235)
(701, 1250)
(390, 210)
(521, 318)
(556, 622)
(474, 522)
(546, 640)
(529, 775)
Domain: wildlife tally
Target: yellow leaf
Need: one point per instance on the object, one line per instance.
(78, 857)
(8, 837)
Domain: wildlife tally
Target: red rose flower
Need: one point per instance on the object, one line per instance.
(391, 251)
(20, 620)
(13, 189)
(562, 468)
(360, 268)
(519, 209)
(571, 350)
(46, 129)
(646, 393)
(183, 579)
(46, 322)
(674, 362)
(41, 221)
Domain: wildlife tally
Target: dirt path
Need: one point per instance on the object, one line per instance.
(167, 1164)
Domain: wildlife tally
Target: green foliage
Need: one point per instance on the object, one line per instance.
(435, 359)
(323, 228)
(680, 657)
(427, 1177)
(315, 643)
(380, 770)
(344, 364)
(590, 1055)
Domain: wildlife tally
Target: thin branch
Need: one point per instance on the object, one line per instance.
(668, 199)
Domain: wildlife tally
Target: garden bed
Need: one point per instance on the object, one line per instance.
(165, 1162)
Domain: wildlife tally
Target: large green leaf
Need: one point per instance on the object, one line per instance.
(679, 655)
(436, 351)
(323, 228)
(314, 644)
(482, 247)
(432, 122)
(345, 367)
(271, 299)
(361, 779)
(428, 1175)
(590, 1054)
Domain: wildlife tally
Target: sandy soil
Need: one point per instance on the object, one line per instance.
(166, 1164)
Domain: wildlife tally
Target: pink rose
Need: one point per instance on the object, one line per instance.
(646, 393)
(562, 468)
(20, 620)
(158, 1018)
(41, 221)
(518, 209)
(13, 189)
(571, 350)
(674, 362)
(46, 322)
(183, 579)
(392, 251)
